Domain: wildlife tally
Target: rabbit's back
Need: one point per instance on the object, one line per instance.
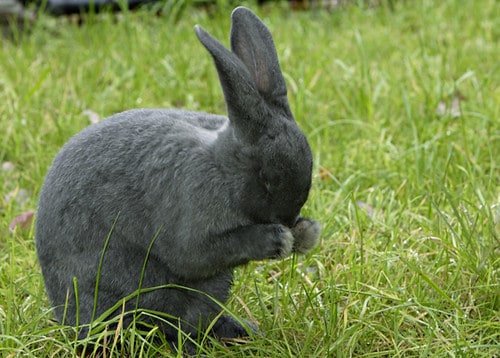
(129, 153)
(117, 166)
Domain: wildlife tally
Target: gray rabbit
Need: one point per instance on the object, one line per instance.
(150, 197)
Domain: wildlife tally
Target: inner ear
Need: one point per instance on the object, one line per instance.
(257, 62)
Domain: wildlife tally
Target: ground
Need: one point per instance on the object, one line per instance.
(401, 105)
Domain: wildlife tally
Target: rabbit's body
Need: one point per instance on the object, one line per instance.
(82, 202)
(192, 194)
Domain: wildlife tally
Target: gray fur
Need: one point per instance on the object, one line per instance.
(215, 192)
(306, 234)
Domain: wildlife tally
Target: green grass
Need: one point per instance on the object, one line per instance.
(409, 199)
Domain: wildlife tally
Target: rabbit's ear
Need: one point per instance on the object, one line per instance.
(239, 89)
(252, 42)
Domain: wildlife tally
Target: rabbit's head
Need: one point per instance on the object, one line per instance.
(272, 152)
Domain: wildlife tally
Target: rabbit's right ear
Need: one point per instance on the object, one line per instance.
(252, 42)
(238, 86)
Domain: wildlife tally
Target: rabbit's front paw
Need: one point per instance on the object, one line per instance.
(278, 242)
(306, 234)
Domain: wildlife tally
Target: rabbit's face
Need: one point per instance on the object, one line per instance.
(281, 178)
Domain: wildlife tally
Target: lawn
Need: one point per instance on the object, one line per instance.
(401, 106)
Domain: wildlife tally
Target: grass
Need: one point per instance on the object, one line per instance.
(408, 193)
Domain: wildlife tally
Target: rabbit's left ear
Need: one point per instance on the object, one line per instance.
(232, 72)
(252, 42)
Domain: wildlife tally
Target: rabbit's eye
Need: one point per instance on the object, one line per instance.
(267, 185)
(264, 181)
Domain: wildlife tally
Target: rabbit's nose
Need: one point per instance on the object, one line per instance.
(290, 221)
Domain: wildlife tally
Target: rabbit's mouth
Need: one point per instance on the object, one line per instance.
(289, 221)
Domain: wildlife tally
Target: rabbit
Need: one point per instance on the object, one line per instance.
(153, 197)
